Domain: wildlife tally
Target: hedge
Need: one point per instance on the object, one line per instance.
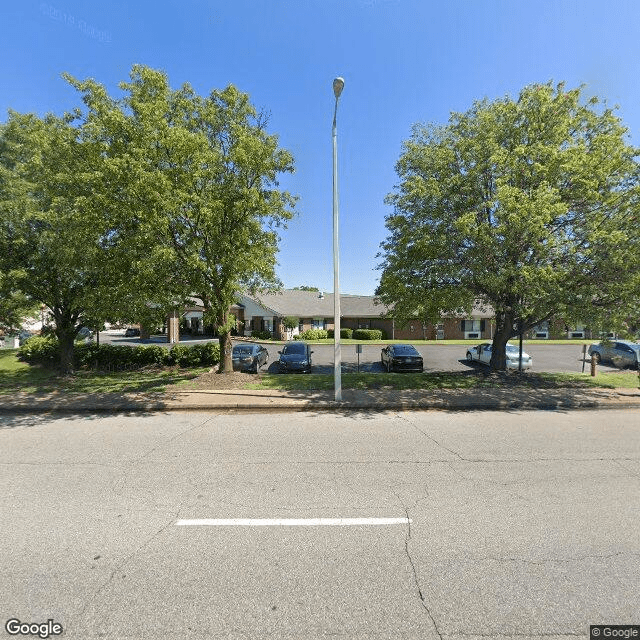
(261, 335)
(45, 351)
(368, 334)
(312, 334)
(344, 333)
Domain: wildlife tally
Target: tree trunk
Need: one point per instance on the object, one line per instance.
(224, 339)
(66, 334)
(504, 331)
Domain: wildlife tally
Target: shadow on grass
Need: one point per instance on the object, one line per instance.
(476, 388)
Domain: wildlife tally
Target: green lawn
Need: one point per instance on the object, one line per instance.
(445, 380)
(18, 376)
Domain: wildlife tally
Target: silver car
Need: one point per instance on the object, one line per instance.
(622, 353)
(482, 354)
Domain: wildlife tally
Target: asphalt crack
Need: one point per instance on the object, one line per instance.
(414, 571)
(123, 563)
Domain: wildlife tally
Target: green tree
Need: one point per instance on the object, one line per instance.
(530, 205)
(194, 180)
(290, 323)
(15, 306)
(51, 239)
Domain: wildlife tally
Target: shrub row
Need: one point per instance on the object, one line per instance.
(261, 335)
(369, 334)
(312, 334)
(357, 334)
(46, 351)
(344, 333)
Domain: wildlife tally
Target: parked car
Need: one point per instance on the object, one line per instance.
(23, 336)
(295, 356)
(131, 331)
(401, 357)
(85, 332)
(622, 353)
(249, 357)
(482, 354)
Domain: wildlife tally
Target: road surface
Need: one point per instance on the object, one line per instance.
(398, 525)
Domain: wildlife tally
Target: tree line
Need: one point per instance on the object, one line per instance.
(128, 206)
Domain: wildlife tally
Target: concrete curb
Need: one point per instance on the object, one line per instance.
(281, 401)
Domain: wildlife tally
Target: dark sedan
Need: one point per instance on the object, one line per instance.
(401, 357)
(249, 357)
(295, 356)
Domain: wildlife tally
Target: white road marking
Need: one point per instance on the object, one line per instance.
(291, 522)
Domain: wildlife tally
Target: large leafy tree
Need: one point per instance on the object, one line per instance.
(193, 193)
(51, 235)
(529, 205)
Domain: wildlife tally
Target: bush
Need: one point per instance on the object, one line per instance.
(313, 334)
(344, 333)
(367, 334)
(261, 335)
(40, 350)
(45, 351)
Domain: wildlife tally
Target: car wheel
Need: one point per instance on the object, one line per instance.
(469, 357)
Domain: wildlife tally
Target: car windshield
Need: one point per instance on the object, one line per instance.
(242, 351)
(405, 350)
(296, 347)
(511, 348)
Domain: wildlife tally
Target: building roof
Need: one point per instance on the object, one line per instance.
(309, 304)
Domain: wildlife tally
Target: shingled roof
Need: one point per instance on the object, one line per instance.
(309, 304)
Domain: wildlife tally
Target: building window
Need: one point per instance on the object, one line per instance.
(318, 323)
(473, 325)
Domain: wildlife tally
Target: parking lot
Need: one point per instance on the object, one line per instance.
(551, 358)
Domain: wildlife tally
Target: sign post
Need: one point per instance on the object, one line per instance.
(358, 351)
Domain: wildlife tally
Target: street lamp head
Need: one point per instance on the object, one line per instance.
(338, 86)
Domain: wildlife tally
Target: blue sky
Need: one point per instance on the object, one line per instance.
(404, 61)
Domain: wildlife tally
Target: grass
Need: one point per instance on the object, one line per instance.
(446, 380)
(16, 376)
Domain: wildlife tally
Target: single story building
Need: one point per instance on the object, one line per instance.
(265, 312)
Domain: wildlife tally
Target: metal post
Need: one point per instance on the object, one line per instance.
(520, 349)
(338, 85)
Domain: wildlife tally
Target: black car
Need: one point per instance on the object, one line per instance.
(401, 357)
(249, 357)
(295, 356)
(131, 332)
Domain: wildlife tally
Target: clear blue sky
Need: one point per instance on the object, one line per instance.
(404, 61)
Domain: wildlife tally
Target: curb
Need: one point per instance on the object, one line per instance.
(324, 406)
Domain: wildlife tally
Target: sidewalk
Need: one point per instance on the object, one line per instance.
(373, 400)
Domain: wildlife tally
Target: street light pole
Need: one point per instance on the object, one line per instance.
(338, 85)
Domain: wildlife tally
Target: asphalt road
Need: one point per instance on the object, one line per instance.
(521, 524)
